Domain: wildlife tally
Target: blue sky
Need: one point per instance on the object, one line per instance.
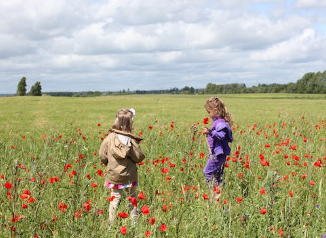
(82, 45)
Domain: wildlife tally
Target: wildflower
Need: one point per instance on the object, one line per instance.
(123, 230)
(262, 191)
(133, 201)
(110, 199)
(87, 207)
(163, 227)
(141, 195)
(145, 210)
(148, 233)
(62, 207)
(293, 147)
(263, 211)
(151, 220)
(164, 208)
(123, 215)
(312, 183)
(165, 170)
(94, 185)
(239, 200)
(205, 196)
(24, 196)
(150, 127)
(206, 120)
(291, 193)
(100, 172)
(8, 185)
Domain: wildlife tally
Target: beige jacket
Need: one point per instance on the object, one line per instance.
(121, 159)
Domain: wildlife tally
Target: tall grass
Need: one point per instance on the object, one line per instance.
(51, 182)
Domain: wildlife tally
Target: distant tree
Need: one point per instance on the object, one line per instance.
(36, 89)
(21, 89)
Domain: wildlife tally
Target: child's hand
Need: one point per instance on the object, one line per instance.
(205, 130)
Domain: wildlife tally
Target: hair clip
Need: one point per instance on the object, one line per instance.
(133, 112)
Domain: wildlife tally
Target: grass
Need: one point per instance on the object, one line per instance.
(49, 148)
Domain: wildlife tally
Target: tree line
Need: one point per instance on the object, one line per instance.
(310, 83)
(35, 90)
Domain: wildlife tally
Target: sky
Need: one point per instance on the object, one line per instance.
(112, 45)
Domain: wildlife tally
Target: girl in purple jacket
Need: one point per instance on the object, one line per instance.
(218, 138)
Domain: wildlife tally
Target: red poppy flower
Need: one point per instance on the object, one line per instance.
(8, 185)
(94, 185)
(205, 196)
(151, 220)
(24, 196)
(262, 191)
(292, 147)
(150, 127)
(163, 227)
(145, 210)
(291, 193)
(312, 183)
(123, 215)
(239, 200)
(110, 199)
(62, 207)
(100, 172)
(123, 230)
(141, 195)
(165, 170)
(206, 120)
(263, 211)
(148, 233)
(164, 208)
(133, 201)
(24, 206)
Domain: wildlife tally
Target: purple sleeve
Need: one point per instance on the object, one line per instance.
(220, 135)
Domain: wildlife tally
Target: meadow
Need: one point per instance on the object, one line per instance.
(51, 178)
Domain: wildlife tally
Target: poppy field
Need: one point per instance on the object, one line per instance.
(51, 178)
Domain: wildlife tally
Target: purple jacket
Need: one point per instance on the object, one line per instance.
(219, 137)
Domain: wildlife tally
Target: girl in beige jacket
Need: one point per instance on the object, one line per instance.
(120, 152)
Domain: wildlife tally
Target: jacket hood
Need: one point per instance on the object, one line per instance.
(125, 134)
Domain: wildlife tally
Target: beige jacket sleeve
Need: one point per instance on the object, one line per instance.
(103, 153)
(135, 153)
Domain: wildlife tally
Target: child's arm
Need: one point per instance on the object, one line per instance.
(135, 153)
(103, 152)
(217, 132)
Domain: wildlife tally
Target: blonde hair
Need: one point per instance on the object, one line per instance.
(222, 111)
(123, 120)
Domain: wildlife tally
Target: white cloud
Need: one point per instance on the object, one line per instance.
(157, 44)
(311, 3)
(308, 46)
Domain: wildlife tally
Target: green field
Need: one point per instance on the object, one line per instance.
(277, 163)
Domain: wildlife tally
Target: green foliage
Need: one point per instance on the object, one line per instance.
(36, 89)
(21, 88)
(312, 83)
(51, 152)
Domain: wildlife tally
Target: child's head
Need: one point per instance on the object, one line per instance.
(216, 108)
(124, 120)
